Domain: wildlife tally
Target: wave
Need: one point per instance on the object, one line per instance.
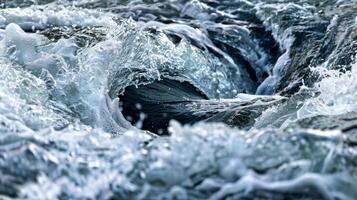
(177, 100)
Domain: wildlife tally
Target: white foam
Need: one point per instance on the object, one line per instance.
(41, 17)
(24, 44)
(338, 93)
(322, 185)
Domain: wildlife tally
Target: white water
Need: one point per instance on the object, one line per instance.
(60, 119)
(338, 93)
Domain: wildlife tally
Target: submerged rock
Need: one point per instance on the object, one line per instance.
(346, 123)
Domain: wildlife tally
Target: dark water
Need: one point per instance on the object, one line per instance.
(154, 99)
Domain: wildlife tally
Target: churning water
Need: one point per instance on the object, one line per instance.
(178, 99)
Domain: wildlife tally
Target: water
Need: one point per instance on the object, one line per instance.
(178, 99)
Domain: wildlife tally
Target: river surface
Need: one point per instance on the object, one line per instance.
(178, 99)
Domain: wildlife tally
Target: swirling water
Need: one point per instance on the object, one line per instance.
(65, 134)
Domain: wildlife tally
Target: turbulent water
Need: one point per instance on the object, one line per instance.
(179, 99)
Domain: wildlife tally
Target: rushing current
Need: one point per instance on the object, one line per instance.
(178, 99)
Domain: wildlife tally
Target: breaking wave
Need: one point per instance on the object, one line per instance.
(178, 100)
